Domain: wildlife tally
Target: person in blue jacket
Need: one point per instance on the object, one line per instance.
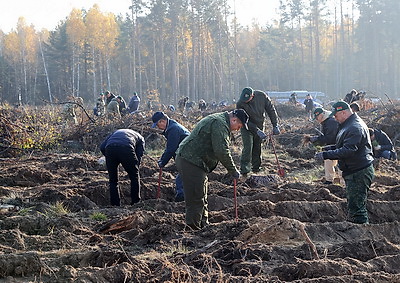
(126, 147)
(174, 133)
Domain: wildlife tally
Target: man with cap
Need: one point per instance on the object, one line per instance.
(125, 147)
(256, 103)
(353, 150)
(382, 145)
(133, 105)
(174, 133)
(329, 129)
(199, 154)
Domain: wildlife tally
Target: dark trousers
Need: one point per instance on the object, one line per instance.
(357, 187)
(125, 156)
(251, 152)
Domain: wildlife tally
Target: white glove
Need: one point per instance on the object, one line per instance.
(378, 147)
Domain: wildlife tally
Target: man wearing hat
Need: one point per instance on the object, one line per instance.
(329, 129)
(353, 150)
(199, 154)
(255, 103)
(174, 133)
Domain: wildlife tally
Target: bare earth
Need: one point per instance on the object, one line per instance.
(290, 229)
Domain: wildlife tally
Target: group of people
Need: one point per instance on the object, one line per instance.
(350, 144)
(346, 138)
(114, 106)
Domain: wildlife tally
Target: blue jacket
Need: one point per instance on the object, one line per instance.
(125, 137)
(175, 133)
(134, 103)
(353, 148)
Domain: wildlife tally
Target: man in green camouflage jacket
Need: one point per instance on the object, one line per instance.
(256, 103)
(199, 154)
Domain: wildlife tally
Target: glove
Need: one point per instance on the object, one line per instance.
(275, 130)
(261, 134)
(236, 175)
(160, 165)
(319, 156)
(313, 139)
(307, 139)
(378, 147)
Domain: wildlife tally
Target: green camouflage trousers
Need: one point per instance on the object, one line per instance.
(195, 187)
(357, 187)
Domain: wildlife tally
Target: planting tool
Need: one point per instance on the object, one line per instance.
(235, 199)
(281, 172)
(159, 184)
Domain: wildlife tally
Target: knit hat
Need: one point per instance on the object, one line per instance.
(242, 116)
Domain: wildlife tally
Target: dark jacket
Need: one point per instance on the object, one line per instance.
(256, 109)
(175, 133)
(353, 148)
(108, 99)
(309, 103)
(330, 128)
(134, 103)
(127, 138)
(383, 140)
(209, 143)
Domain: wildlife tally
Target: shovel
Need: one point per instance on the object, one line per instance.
(159, 184)
(281, 172)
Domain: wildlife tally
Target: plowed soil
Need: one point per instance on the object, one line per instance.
(56, 224)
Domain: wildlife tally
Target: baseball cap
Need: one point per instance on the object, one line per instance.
(318, 111)
(242, 116)
(247, 92)
(156, 117)
(339, 106)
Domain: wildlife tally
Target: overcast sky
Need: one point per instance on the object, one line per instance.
(48, 13)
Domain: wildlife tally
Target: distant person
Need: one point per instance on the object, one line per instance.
(174, 133)
(123, 147)
(113, 109)
(309, 104)
(109, 96)
(355, 107)
(100, 108)
(121, 105)
(182, 103)
(353, 150)
(382, 145)
(293, 98)
(200, 153)
(202, 105)
(351, 96)
(134, 102)
(256, 103)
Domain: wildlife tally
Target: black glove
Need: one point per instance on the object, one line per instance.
(275, 130)
(319, 156)
(236, 175)
(261, 134)
(313, 139)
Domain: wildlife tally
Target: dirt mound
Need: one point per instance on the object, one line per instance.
(56, 223)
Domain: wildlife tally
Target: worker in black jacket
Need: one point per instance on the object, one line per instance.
(125, 147)
(383, 146)
(353, 150)
(329, 129)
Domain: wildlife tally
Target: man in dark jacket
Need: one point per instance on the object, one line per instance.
(256, 103)
(134, 103)
(200, 153)
(309, 104)
(124, 147)
(109, 96)
(353, 149)
(383, 146)
(175, 133)
(329, 129)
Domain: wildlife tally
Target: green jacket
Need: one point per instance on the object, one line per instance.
(208, 144)
(256, 108)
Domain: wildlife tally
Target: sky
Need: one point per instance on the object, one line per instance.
(48, 13)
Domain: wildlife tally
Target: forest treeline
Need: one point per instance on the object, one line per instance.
(166, 49)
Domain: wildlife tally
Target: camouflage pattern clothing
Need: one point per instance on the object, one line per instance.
(199, 154)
